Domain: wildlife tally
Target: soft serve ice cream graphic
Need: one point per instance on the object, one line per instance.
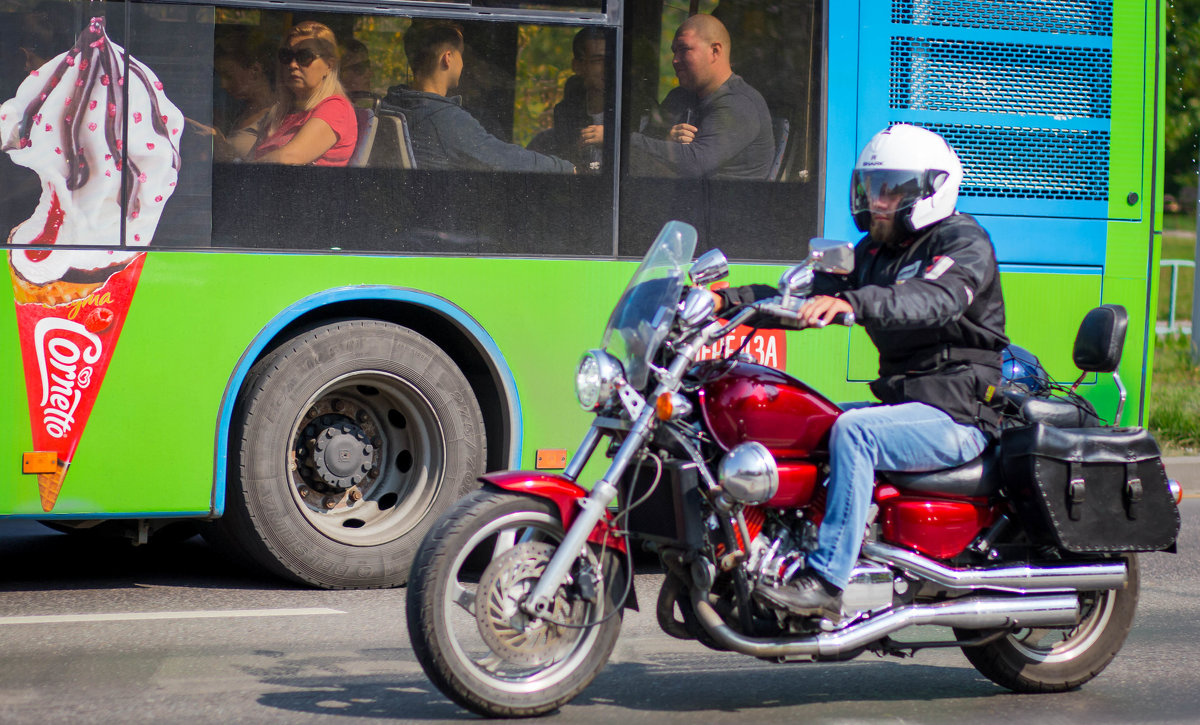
(102, 136)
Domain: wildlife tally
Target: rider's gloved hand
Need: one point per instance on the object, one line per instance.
(821, 310)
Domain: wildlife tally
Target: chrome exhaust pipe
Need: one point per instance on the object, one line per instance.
(1015, 579)
(969, 613)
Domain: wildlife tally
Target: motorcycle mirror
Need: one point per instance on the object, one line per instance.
(709, 267)
(831, 255)
(697, 307)
(797, 280)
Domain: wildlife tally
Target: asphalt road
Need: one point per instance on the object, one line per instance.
(97, 631)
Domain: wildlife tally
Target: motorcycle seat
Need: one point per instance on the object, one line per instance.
(1055, 411)
(977, 478)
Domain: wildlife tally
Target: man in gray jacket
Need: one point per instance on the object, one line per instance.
(444, 135)
(721, 126)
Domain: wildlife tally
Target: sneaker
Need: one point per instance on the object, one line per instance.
(807, 594)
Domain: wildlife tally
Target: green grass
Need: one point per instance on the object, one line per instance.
(1175, 387)
(1175, 246)
(1179, 222)
(1175, 397)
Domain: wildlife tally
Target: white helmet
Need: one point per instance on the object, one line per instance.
(914, 163)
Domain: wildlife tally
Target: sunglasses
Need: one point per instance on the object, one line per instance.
(304, 56)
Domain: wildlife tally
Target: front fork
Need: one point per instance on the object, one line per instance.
(538, 603)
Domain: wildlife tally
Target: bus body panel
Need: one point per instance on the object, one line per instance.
(156, 442)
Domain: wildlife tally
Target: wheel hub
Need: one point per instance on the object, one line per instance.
(336, 452)
(510, 633)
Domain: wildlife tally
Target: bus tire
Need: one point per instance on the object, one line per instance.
(348, 442)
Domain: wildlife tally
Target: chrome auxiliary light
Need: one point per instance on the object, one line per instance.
(748, 473)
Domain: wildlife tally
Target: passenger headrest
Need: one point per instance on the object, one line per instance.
(1101, 338)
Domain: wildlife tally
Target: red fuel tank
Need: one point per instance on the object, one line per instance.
(756, 403)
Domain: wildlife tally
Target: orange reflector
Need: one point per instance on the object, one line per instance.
(550, 458)
(663, 407)
(39, 462)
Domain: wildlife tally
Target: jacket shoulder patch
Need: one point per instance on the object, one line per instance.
(941, 265)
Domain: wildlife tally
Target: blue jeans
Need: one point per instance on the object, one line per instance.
(905, 437)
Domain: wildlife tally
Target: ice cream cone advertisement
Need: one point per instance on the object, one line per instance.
(97, 128)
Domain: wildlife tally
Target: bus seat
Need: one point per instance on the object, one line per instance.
(393, 146)
(781, 127)
(368, 123)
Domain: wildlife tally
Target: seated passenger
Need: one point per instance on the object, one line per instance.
(312, 121)
(578, 131)
(444, 136)
(356, 74)
(721, 128)
(245, 76)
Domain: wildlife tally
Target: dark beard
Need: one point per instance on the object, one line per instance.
(888, 233)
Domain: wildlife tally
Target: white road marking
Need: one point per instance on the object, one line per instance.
(141, 616)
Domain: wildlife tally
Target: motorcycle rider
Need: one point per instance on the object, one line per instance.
(927, 289)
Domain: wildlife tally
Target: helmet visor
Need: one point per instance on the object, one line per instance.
(889, 190)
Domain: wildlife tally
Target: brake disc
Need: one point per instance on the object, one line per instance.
(511, 634)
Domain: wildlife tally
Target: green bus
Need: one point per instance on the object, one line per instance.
(315, 361)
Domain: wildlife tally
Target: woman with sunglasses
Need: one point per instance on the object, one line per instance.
(312, 121)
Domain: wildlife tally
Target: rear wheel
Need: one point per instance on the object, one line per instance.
(464, 616)
(1054, 660)
(349, 441)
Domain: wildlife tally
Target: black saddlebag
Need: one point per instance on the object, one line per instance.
(1090, 489)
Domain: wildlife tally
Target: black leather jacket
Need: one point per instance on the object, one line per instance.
(934, 309)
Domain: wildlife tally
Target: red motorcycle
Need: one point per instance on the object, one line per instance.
(1027, 553)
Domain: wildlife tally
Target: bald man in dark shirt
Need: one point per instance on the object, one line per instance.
(722, 128)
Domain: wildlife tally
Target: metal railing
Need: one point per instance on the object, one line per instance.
(1172, 326)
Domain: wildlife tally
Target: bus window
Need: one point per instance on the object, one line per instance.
(93, 122)
(175, 41)
(459, 141)
(593, 5)
(724, 139)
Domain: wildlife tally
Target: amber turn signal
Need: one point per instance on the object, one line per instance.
(663, 407)
(668, 406)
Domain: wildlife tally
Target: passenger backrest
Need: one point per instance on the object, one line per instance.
(393, 144)
(368, 122)
(1101, 338)
(782, 128)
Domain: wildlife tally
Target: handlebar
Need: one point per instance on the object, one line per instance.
(789, 310)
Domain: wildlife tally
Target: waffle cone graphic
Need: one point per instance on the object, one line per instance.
(66, 350)
(50, 484)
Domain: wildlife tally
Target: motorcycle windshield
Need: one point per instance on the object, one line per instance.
(643, 316)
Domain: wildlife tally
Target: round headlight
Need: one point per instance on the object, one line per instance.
(596, 379)
(587, 382)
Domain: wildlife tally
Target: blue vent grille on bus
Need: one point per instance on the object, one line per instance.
(1075, 17)
(1029, 163)
(1035, 80)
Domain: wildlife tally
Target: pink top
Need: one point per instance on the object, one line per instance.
(335, 111)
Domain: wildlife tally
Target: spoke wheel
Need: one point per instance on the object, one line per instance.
(1054, 659)
(468, 631)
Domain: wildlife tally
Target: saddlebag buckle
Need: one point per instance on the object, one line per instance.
(1076, 490)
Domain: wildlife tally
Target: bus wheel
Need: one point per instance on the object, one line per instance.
(349, 441)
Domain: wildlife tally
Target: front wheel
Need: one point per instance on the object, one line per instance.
(1054, 660)
(464, 618)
